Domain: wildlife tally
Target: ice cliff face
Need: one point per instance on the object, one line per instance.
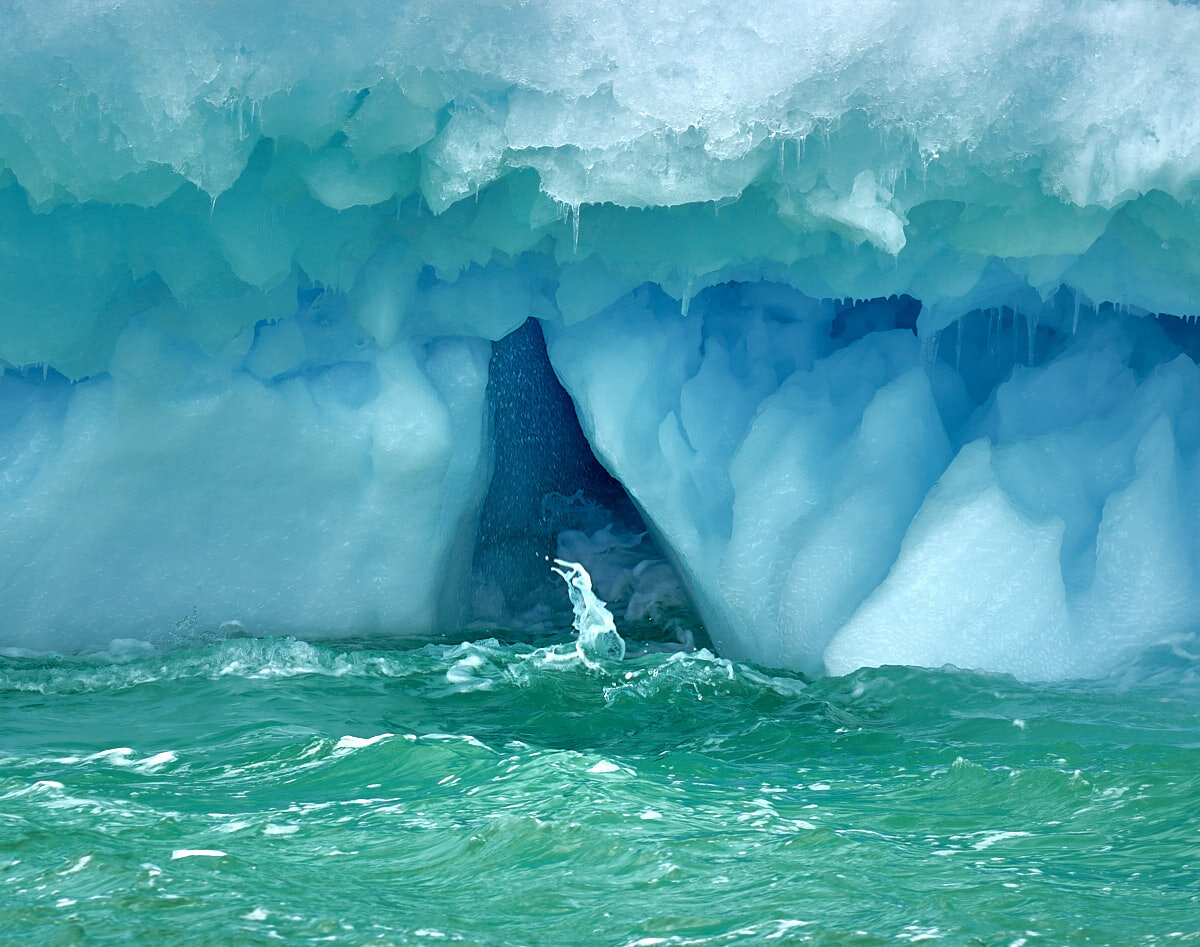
(252, 256)
(1025, 499)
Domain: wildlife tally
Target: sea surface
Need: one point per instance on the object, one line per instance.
(250, 790)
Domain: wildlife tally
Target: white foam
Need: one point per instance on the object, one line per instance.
(991, 838)
(357, 743)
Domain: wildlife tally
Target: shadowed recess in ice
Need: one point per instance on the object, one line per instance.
(252, 262)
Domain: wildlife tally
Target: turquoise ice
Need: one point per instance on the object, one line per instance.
(882, 316)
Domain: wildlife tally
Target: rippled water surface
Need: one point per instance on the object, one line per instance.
(245, 790)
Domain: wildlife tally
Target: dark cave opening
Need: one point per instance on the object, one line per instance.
(540, 452)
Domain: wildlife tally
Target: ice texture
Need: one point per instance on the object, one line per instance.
(968, 157)
(877, 310)
(312, 484)
(1023, 500)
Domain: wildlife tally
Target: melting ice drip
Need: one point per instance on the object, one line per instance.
(598, 639)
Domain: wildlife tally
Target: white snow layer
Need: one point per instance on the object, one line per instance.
(672, 187)
(967, 155)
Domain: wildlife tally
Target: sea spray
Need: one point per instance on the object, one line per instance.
(597, 637)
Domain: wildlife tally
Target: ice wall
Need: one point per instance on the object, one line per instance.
(304, 481)
(181, 183)
(1023, 497)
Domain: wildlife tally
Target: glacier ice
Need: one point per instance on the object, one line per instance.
(967, 159)
(880, 313)
(311, 484)
(835, 494)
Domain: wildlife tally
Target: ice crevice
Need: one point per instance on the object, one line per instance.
(881, 326)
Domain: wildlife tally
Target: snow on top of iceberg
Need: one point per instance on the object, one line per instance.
(638, 104)
(216, 155)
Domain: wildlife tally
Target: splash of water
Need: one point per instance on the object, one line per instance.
(597, 637)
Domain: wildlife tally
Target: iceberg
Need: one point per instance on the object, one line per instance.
(882, 316)
(312, 484)
(836, 495)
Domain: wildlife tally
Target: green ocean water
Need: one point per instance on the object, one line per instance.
(244, 791)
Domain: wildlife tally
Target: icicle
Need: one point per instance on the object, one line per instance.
(1075, 321)
(575, 208)
(959, 330)
(688, 290)
(929, 351)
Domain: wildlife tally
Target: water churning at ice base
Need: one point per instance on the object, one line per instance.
(892, 352)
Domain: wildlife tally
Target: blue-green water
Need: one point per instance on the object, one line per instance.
(247, 790)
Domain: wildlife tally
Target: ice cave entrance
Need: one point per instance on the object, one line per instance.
(549, 496)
